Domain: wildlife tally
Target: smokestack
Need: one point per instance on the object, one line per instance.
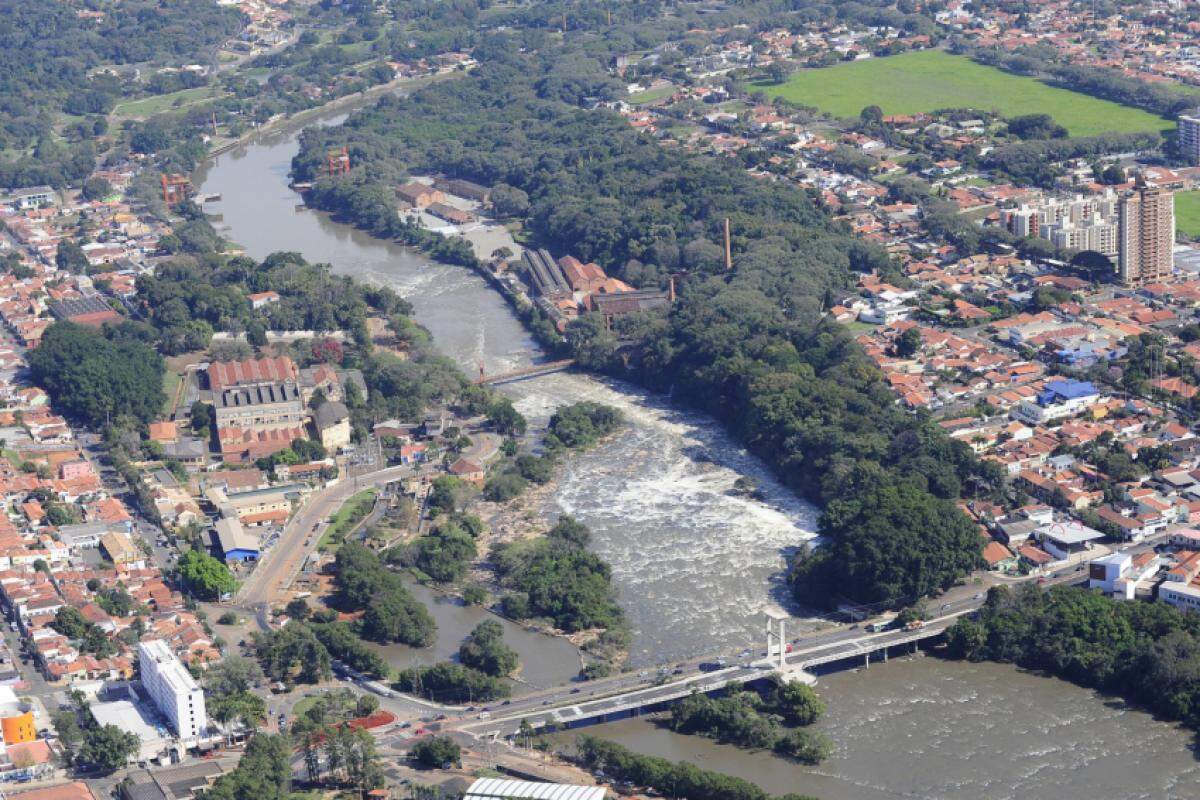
(671, 290)
(728, 252)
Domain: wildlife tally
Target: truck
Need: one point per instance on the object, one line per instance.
(881, 624)
(915, 625)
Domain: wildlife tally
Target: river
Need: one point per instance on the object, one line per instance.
(926, 728)
(696, 567)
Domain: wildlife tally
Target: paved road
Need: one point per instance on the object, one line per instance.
(273, 575)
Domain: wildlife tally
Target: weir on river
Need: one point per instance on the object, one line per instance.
(696, 566)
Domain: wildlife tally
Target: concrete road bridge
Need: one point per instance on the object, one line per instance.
(565, 709)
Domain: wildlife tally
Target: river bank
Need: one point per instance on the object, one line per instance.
(344, 104)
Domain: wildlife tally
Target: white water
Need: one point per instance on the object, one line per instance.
(695, 566)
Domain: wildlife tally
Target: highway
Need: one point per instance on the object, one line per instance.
(274, 573)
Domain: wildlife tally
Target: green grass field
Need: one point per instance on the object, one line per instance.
(928, 80)
(149, 106)
(352, 512)
(651, 95)
(1187, 213)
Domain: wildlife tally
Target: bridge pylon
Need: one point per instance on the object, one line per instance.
(781, 618)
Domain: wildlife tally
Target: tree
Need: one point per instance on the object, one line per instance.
(434, 752)
(504, 418)
(205, 576)
(293, 653)
(1094, 265)
(70, 622)
(504, 486)
(909, 342)
(66, 725)
(366, 705)
(508, 201)
(202, 417)
(1036, 126)
(107, 747)
(447, 494)
(96, 188)
(871, 115)
(484, 650)
(798, 703)
(94, 379)
(70, 256)
(298, 609)
(232, 675)
(263, 773)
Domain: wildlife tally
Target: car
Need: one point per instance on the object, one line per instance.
(574, 691)
(506, 703)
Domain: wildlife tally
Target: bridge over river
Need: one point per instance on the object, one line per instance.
(565, 709)
(535, 371)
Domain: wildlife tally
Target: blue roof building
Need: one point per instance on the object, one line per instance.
(1060, 391)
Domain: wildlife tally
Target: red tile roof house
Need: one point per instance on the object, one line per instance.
(467, 470)
(261, 299)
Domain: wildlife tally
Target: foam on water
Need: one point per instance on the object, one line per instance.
(695, 565)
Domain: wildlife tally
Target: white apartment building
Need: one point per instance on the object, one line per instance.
(174, 691)
(1189, 136)
(1094, 234)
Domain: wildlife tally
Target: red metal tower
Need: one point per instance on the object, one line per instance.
(175, 188)
(337, 162)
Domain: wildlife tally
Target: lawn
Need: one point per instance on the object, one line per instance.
(652, 95)
(171, 381)
(149, 106)
(928, 80)
(352, 512)
(1187, 213)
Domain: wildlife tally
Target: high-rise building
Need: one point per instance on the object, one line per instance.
(1147, 235)
(173, 689)
(1189, 136)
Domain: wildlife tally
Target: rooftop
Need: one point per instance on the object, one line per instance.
(504, 789)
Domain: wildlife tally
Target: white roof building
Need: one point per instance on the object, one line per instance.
(504, 789)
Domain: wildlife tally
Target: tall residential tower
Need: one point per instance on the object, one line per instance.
(1147, 235)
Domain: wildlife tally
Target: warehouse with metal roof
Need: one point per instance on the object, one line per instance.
(504, 789)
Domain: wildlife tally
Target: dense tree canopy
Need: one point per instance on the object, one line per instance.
(49, 55)
(392, 613)
(94, 378)
(750, 347)
(204, 576)
(1148, 652)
